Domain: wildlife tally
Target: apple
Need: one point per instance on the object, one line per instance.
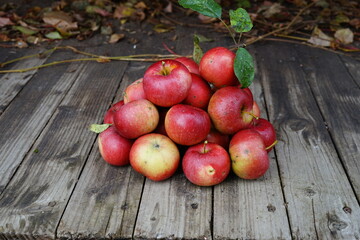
(109, 115)
(267, 132)
(256, 110)
(187, 125)
(217, 137)
(155, 156)
(249, 159)
(114, 148)
(206, 164)
(134, 91)
(161, 125)
(217, 67)
(230, 109)
(136, 118)
(199, 94)
(166, 83)
(190, 64)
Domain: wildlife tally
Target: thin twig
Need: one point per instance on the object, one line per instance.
(299, 14)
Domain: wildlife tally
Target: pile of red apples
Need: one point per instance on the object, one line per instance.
(196, 116)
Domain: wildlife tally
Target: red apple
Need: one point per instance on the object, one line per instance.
(134, 91)
(161, 125)
(206, 164)
(217, 67)
(187, 125)
(199, 94)
(190, 64)
(136, 118)
(249, 159)
(256, 110)
(267, 132)
(166, 83)
(109, 115)
(217, 137)
(114, 148)
(155, 156)
(230, 109)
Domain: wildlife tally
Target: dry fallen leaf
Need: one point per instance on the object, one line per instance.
(344, 35)
(168, 8)
(114, 38)
(269, 9)
(60, 20)
(4, 21)
(320, 39)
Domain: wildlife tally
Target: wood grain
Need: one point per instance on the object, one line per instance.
(29, 112)
(106, 199)
(337, 92)
(37, 195)
(174, 209)
(315, 185)
(12, 83)
(353, 67)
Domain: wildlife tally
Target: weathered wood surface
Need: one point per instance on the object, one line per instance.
(316, 188)
(54, 183)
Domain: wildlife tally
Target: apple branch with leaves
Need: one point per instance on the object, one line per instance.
(240, 22)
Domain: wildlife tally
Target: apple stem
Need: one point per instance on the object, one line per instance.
(251, 114)
(205, 143)
(272, 145)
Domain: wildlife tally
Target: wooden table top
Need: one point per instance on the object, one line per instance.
(54, 184)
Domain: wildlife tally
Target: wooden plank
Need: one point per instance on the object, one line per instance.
(27, 114)
(174, 209)
(353, 66)
(317, 191)
(339, 102)
(252, 209)
(104, 193)
(34, 201)
(12, 83)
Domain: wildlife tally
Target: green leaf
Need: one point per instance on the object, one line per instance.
(99, 128)
(53, 35)
(244, 67)
(24, 30)
(240, 20)
(208, 8)
(197, 52)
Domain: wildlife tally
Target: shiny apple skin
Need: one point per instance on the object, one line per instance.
(155, 156)
(136, 118)
(217, 67)
(114, 148)
(199, 94)
(249, 159)
(206, 164)
(190, 64)
(166, 83)
(187, 125)
(229, 109)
